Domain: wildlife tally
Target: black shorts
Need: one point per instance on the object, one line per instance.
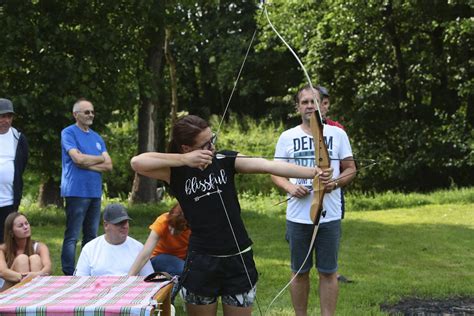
(208, 275)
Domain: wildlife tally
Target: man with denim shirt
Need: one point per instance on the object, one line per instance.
(297, 145)
(84, 158)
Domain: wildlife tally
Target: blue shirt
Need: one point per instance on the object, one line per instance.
(75, 181)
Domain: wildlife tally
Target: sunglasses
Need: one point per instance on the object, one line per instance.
(211, 142)
(87, 112)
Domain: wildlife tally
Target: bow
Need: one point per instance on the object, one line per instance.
(321, 157)
(321, 154)
(323, 161)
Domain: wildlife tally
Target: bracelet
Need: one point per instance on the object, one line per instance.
(337, 185)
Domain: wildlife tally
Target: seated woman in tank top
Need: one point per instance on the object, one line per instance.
(21, 257)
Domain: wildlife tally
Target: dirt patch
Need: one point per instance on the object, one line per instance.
(431, 307)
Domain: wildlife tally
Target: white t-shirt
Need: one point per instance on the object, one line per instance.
(7, 168)
(98, 257)
(296, 143)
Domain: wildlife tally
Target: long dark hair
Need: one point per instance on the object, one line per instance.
(185, 131)
(10, 242)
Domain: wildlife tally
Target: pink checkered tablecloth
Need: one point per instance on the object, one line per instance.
(74, 295)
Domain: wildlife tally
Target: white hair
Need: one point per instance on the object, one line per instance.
(77, 105)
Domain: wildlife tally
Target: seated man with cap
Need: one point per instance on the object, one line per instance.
(114, 252)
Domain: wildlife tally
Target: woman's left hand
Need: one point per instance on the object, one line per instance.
(326, 175)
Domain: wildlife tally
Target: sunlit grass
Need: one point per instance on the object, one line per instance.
(425, 251)
(389, 200)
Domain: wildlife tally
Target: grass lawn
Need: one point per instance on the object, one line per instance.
(423, 251)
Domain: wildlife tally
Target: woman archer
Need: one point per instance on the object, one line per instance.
(220, 259)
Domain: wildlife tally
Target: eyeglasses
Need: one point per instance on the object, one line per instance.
(208, 145)
(87, 112)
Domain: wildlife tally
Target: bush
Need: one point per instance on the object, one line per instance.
(121, 139)
(251, 138)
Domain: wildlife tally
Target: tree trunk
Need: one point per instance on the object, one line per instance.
(174, 82)
(390, 27)
(49, 193)
(144, 188)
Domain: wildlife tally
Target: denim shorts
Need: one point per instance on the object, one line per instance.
(326, 246)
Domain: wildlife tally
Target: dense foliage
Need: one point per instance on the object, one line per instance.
(399, 74)
(400, 80)
(58, 52)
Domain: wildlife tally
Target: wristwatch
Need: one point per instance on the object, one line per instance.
(337, 185)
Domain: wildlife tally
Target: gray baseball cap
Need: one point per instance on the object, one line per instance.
(324, 92)
(6, 106)
(115, 213)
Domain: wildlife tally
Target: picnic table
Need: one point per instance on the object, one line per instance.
(87, 295)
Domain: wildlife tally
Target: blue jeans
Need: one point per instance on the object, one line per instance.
(168, 263)
(80, 213)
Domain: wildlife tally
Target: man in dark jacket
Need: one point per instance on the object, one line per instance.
(13, 160)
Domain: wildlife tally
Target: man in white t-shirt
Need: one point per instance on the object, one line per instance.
(114, 252)
(13, 160)
(297, 144)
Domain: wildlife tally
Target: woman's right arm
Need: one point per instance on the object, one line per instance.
(45, 259)
(145, 254)
(157, 165)
(6, 273)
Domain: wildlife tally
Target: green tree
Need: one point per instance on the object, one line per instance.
(55, 53)
(152, 113)
(399, 77)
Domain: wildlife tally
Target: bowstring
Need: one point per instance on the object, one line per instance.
(218, 190)
(236, 82)
(316, 102)
(297, 59)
